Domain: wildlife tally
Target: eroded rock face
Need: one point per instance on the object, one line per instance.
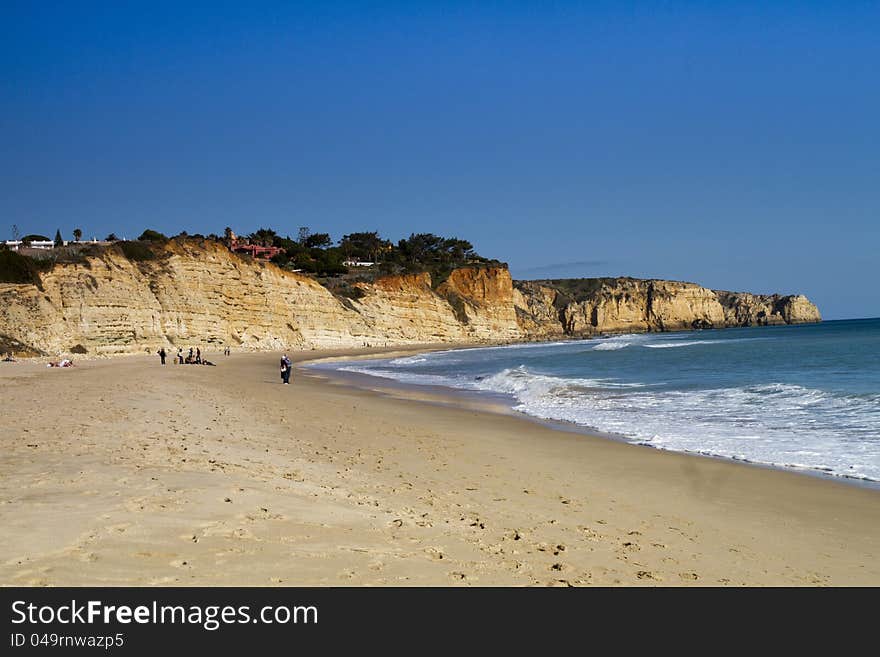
(677, 306)
(203, 294)
(482, 299)
(744, 309)
(537, 310)
(191, 294)
(619, 305)
(797, 309)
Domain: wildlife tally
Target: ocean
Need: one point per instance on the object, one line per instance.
(803, 397)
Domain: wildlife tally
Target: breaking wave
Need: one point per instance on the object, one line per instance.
(774, 424)
(795, 397)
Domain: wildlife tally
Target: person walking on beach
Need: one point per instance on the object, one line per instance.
(161, 353)
(285, 370)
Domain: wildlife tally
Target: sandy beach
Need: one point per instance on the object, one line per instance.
(123, 472)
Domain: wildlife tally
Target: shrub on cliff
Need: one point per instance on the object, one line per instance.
(152, 236)
(137, 251)
(16, 268)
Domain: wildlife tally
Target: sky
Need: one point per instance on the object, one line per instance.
(736, 145)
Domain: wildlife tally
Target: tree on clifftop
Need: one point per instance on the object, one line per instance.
(77, 234)
(364, 246)
(263, 237)
(317, 241)
(58, 239)
(152, 236)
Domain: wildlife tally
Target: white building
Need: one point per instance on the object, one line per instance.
(14, 245)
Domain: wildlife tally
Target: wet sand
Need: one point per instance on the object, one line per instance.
(122, 472)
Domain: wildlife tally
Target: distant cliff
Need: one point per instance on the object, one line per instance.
(199, 293)
(583, 307)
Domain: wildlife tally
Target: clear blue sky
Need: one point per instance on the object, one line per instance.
(735, 145)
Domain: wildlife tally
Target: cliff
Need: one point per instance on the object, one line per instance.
(192, 293)
(744, 309)
(583, 307)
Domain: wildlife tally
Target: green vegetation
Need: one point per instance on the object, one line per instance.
(59, 241)
(16, 268)
(153, 236)
(578, 289)
(27, 239)
(137, 251)
(311, 253)
(314, 253)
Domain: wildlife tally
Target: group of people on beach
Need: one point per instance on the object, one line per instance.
(194, 357)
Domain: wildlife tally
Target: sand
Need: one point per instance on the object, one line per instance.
(122, 472)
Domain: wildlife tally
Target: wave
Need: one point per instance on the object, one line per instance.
(655, 342)
(777, 424)
(709, 407)
(409, 360)
(611, 346)
(689, 343)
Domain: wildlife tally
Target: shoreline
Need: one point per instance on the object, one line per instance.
(412, 348)
(222, 476)
(483, 400)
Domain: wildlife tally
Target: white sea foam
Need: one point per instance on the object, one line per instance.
(702, 410)
(769, 424)
(611, 346)
(409, 360)
(688, 343)
(667, 344)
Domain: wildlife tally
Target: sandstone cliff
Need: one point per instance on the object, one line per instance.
(199, 293)
(203, 294)
(744, 309)
(586, 307)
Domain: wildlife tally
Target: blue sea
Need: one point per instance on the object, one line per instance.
(803, 397)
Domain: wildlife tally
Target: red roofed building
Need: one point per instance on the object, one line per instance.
(264, 252)
(254, 250)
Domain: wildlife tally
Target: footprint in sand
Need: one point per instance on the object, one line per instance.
(434, 552)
